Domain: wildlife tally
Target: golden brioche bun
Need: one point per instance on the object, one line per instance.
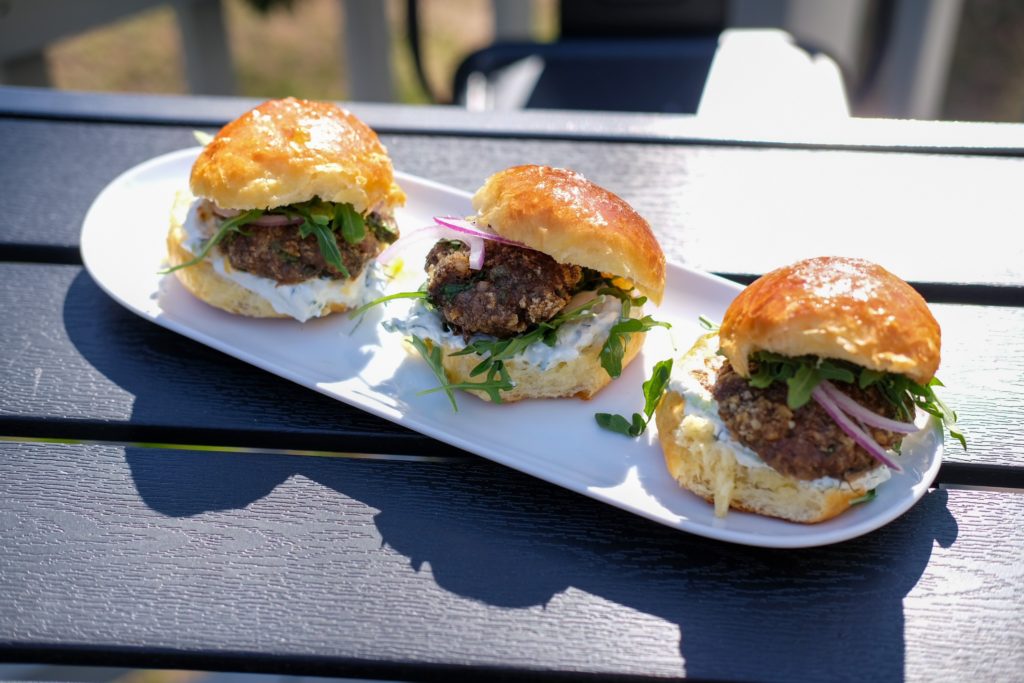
(581, 377)
(290, 151)
(709, 467)
(206, 284)
(562, 214)
(834, 307)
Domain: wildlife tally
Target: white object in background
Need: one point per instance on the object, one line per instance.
(760, 75)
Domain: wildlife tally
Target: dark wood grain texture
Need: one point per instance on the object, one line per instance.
(338, 566)
(76, 364)
(724, 209)
(88, 368)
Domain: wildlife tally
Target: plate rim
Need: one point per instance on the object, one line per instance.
(817, 534)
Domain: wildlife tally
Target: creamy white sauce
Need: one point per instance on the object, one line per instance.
(700, 402)
(301, 301)
(572, 337)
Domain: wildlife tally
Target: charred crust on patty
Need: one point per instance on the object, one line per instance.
(515, 289)
(282, 254)
(805, 443)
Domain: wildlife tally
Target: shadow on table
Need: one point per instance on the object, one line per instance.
(498, 537)
(502, 539)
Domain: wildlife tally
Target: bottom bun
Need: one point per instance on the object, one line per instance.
(209, 286)
(581, 377)
(709, 467)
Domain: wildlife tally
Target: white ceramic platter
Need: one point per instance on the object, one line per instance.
(367, 367)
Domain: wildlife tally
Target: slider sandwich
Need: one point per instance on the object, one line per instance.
(295, 201)
(539, 294)
(796, 408)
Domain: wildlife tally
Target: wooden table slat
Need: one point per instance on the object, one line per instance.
(81, 366)
(341, 565)
(787, 204)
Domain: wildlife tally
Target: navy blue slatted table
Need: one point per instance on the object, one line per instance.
(308, 537)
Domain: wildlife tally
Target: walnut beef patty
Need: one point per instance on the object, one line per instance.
(281, 254)
(516, 288)
(804, 443)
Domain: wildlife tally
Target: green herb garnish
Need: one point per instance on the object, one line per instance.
(381, 230)
(615, 346)
(803, 373)
(432, 354)
(326, 240)
(230, 225)
(707, 323)
(419, 294)
(350, 222)
(653, 390)
(319, 218)
(497, 380)
(866, 498)
(495, 351)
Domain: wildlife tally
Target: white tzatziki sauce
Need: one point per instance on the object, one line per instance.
(572, 337)
(700, 402)
(301, 301)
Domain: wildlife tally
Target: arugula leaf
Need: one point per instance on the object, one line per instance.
(230, 225)
(419, 294)
(432, 354)
(615, 423)
(613, 348)
(866, 498)
(350, 222)
(869, 378)
(381, 230)
(498, 380)
(801, 384)
(802, 374)
(707, 323)
(502, 349)
(326, 240)
(653, 389)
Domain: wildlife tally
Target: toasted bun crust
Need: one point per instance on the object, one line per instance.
(581, 377)
(206, 284)
(833, 307)
(709, 467)
(562, 214)
(289, 151)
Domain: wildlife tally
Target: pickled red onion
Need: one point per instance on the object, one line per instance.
(862, 414)
(854, 431)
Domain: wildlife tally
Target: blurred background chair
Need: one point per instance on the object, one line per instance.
(893, 56)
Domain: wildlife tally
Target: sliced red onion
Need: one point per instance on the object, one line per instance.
(862, 438)
(225, 213)
(862, 414)
(439, 232)
(477, 249)
(269, 220)
(471, 228)
(273, 220)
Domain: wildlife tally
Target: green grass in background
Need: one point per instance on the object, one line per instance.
(294, 50)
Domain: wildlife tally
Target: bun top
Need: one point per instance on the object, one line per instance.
(833, 307)
(562, 214)
(289, 151)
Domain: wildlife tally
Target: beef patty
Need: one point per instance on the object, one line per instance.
(804, 443)
(281, 254)
(516, 288)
